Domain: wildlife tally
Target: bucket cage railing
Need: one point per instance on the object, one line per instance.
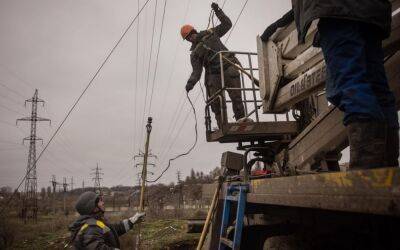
(249, 90)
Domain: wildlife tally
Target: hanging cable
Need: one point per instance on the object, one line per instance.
(75, 104)
(183, 154)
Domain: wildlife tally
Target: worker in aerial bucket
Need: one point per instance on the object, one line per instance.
(205, 44)
(350, 34)
(91, 230)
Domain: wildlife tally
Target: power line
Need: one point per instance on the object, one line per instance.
(158, 52)
(174, 123)
(174, 119)
(10, 109)
(178, 45)
(77, 101)
(148, 67)
(237, 19)
(16, 76)
(136, 79)
(179, 130)
(12, 90)
(189, 150)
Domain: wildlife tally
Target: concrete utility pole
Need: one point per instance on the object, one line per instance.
(97, 173)
(65, 185)
(29, 206)
(54, 184)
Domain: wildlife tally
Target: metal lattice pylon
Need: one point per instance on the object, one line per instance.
(96, 178)
(29, 205)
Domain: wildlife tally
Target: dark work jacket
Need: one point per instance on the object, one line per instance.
(207, 44)
(375, 12)
(90, 233)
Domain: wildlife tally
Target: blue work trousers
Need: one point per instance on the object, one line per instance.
(356, 81)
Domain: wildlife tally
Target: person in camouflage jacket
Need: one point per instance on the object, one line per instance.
(92, 231)
(205, 44)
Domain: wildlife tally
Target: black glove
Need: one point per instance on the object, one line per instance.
(215, 7)
(189, 87)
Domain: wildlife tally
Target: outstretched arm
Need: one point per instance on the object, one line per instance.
(124, 226)
(225, 24)
(196, 73)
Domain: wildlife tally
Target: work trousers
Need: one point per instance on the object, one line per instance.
(231, 80)
(356, 81)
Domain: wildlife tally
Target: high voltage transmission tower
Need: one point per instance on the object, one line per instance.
(96, 178)
(29, 204)
(65, 186)
(54, 184)
(180, 188)
(71, 183)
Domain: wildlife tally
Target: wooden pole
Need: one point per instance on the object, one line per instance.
(144, 175)
(144, 169)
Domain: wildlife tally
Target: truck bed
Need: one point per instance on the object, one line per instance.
(375, 191)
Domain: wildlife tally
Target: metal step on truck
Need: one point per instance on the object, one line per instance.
(303, 198)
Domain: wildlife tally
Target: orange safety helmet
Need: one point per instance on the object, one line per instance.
(186, 30)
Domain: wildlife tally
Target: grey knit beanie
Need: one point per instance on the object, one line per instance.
(86, 203)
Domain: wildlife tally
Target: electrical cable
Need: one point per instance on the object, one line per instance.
(183, 154)
(158, 52)
(179, 131)
(237, 19)
(136, 80)
(75, 104)
(16, 76)
(174, 119)
(223, 4)
(148, 68)
(11, 110)
(12, 90)
(178, 45)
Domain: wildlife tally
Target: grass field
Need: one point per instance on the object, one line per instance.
(50, 232)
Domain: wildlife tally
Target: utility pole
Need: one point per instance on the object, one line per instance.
(144, 172)
(65, 185)
(29, 205)
(144, 169)
(54, 185)
(180, 197)
(97, 173)
(83, 185)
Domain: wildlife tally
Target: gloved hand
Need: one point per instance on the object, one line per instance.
(189, 87)
(137, 218)
(214, 7)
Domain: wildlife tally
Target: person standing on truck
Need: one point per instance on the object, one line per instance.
(91, 230)
(205, 44)
(350, 34)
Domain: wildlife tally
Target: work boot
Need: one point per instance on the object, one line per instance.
(367, 144)
(392, 147)
(245, 120)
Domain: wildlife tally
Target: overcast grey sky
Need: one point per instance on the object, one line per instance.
(57, 45)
